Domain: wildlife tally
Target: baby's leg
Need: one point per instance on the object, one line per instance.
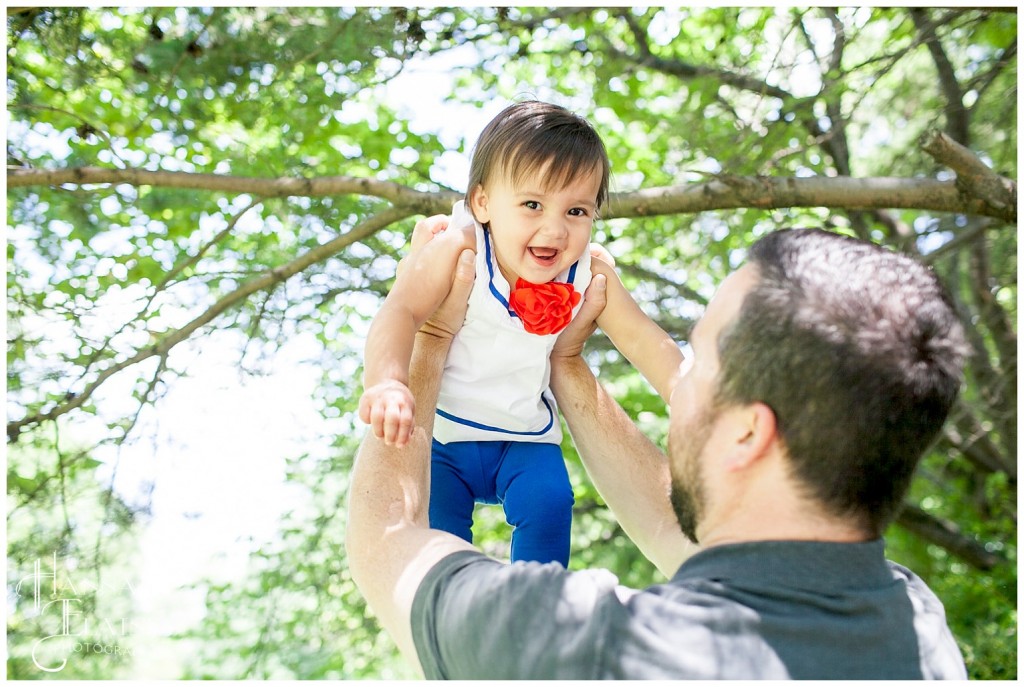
(534, 486)
(453, 475)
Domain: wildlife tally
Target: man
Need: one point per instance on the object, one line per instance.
(821, 371)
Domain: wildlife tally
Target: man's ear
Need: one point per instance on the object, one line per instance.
(753, 433)
(478, 204)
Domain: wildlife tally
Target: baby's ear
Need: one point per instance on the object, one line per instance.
(478, 204)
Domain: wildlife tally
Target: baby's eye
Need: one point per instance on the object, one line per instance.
(578, 212)
(531, 204)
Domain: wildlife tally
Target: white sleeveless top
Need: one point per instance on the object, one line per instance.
(495, 383)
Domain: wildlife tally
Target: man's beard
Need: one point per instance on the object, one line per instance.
(688, 493)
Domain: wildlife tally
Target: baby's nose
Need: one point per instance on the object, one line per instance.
(555, 227)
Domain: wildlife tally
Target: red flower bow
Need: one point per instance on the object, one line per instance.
(543, 308)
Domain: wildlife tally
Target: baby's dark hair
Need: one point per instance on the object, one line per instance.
(529, 135)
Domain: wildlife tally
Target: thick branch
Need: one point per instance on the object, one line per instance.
(421, 202)
(973, 176)
(831, 192)
(948, 536)
(721, 193)
(171, 339)
(978, 449)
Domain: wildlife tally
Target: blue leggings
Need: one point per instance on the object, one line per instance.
(529, 480)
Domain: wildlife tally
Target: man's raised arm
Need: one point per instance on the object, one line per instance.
(389, 544)
(629, 471)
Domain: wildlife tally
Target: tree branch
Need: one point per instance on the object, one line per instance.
(982, 81)
(169, 81)
(973, 176)
(685, 70)
(84, 129)
(650, 276)
(992, 313)
(966, 237)
(1002, 394)
(957, 123)
(726, 192)
(421, 202)
(801, 107)
(723, 192)
(967, 433)
(948, 536)
(266, 280)
(837, 144)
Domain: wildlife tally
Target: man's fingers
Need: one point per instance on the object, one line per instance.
(594, 300)
(572, 339)
(457, 301)
(452, 311)
(465, 271)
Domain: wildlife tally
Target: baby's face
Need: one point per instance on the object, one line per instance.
(537, 234)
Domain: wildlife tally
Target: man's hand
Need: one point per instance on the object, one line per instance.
(451, 315)
(570, 342)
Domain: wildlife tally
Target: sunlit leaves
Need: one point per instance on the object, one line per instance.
(680, 95)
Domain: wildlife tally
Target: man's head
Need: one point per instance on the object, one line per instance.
(856, 352)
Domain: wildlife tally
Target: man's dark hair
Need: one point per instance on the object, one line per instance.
(859, 353)
(526, 136)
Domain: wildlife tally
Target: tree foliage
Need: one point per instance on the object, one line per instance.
(177, 172)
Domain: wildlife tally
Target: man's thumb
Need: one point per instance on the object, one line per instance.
(595, 298)
(465, 271)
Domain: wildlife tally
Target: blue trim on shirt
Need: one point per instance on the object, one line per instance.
(477, 425)
(490, 272)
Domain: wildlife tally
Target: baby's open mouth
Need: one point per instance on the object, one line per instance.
(545, 254)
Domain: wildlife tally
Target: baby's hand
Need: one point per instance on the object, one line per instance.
(388, 408)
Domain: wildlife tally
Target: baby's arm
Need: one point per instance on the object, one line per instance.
(637, 336)
(422, 283)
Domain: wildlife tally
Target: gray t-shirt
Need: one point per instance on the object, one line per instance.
(773, 610)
